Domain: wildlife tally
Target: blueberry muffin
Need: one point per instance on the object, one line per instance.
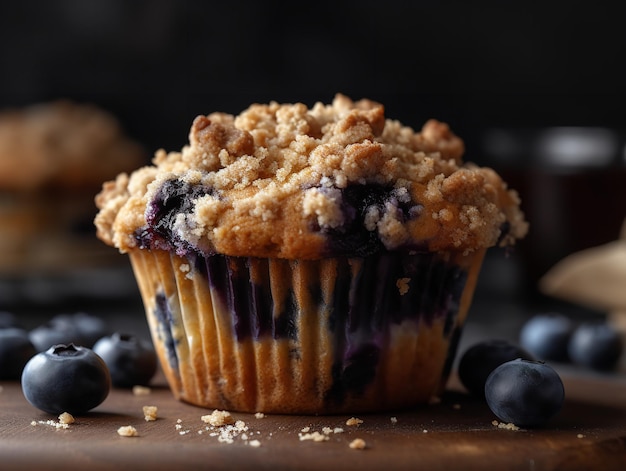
(53, 158)
(308, 260)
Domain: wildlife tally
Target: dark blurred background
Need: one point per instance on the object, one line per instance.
(536, 90)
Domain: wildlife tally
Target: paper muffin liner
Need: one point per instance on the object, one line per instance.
(336, 335)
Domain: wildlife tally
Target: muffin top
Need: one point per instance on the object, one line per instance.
(63, 145)
(286, 181)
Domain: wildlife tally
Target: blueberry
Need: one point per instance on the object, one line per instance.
(174, 197)
(131, 361)
(595, 345)
(90, 328)
(66, 378)
(353, 238)
(58, 330)
(15, 350)
(8, 319)
(526, 393)
(481, 359)
(546, 336)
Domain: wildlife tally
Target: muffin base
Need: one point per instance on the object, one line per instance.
(328, 336)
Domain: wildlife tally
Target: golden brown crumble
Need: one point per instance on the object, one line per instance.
(277, 171)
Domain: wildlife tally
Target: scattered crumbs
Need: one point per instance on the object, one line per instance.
(51, 423)
(66, 418)
(337, 430)
(127, 431)
(179, 427)
(218, 418)
(434, 400)
(580, 435)
(394, 420)
(353, 421)
(141, 390)
(222, 426)
(150, 413)
(456, 406)
(228, 432)
(403, 285)
(184, 267)
(327, 430)
(306, 429)
(357, 444)
(502, 425)
(259, 415)
(315, 436)
(424, 431)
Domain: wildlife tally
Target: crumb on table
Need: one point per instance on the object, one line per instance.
(141, 390)
(353, 421)
(66, 418)
(357, 444)
(127, 431)
(150, 413)
(218, 418)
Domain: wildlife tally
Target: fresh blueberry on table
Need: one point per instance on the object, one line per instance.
(15, 350)
(90, 328)
(131, 360)
(595, 345)
(8, 319)
(66, 378)
(482, 358)
(546, 336)
(58, 330)
(526, 393)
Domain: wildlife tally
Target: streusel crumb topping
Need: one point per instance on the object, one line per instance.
(284, 180)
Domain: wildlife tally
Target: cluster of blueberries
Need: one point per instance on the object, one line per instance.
(70, 363)
(517, 381)
(595, 345)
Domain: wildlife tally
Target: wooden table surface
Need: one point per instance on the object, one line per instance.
(457, 433)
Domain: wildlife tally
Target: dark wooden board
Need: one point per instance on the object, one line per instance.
(457, 433)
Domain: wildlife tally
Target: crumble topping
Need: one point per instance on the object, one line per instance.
(272, 182)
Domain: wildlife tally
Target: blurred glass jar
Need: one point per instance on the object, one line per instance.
(572, 181)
